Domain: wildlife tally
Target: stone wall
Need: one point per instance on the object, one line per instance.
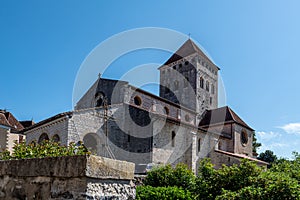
(172, 143)
(219, 159)
(56, 127)
(11, 139)
(191, 68)
(3, 138)
(240, 147)
(7, 139)
(74, 177)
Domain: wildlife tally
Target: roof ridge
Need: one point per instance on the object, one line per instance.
(231, 113)
(188, 48)
(6, 122)
(238, 120)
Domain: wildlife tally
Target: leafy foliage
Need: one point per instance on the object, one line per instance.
(255, 144)
(210, 181)
(236, 182)
(162, 193)
(268, 156)
(164, 176)
(290, 168)
(45, 149)
(268, 185)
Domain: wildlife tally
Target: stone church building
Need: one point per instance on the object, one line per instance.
(183, 124)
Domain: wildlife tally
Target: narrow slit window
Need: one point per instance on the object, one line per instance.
(173, 138)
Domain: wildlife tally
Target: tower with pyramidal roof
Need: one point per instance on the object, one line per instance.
(190, 78)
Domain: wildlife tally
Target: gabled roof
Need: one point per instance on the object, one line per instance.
(27, 123)
(7, 119)
(188, 48)
(221, 115)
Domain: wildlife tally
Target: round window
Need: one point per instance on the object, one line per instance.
(244, 137)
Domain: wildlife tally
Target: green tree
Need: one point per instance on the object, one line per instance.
(211, 182)
(236, 182)
(255, 144)
(290, 168)
(267, 156)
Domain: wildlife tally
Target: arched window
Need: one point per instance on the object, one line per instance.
(220, 145)
(99, 98)
(178, 114)
(201, 82)
(176, 85)
(128, 137)
(212, 88)
(43, 137)
(187, 118)
(91, 142)
(199, 145)
(173, 138)
(244, 137)
(137, 100)
(166, 110)
(207, 86)
(56, 138)
(186, 82)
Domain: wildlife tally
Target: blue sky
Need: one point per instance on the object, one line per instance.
(255, 43)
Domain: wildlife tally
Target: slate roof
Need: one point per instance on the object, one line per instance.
(221, 115)
(60, 115)
(27, 123)
(7, 119)
(188, 48)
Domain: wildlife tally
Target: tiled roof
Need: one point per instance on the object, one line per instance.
(7, 119)
(221, 115)
(188, 48)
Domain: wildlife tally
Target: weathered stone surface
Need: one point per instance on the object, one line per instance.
(72, 166)
(74, 177)
(105, 168)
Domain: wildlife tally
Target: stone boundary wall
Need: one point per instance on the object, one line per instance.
(73, 177)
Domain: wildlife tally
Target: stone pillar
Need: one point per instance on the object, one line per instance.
(194, 151)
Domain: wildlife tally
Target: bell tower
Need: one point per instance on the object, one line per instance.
(190, 78)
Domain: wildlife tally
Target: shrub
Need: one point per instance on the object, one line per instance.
(236, 182)
(45, 149)
(162, 193)
(164, 176)
(278, 185)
